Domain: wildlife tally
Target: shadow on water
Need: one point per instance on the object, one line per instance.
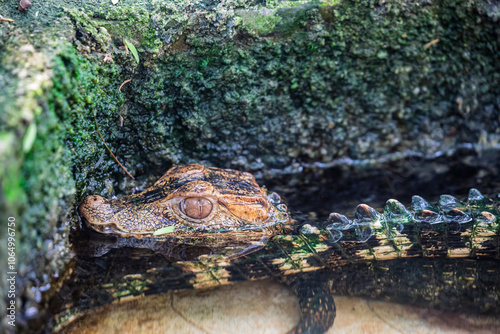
(342, 188)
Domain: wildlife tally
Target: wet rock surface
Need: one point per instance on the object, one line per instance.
(267, 308)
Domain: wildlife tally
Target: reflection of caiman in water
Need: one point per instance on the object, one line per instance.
(443, 256)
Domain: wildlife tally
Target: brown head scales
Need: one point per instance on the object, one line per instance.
(187, 198)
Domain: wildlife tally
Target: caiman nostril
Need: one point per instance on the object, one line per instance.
(93, 201)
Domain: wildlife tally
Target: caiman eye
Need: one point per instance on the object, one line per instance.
(196, 207)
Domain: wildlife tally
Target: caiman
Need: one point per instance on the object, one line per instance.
(217, 226)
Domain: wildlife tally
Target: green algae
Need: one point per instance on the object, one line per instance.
(42, 90)
(261, 22)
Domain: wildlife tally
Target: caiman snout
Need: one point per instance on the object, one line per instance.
(95, 210)
(93, 200)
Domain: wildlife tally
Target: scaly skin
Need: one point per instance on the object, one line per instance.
(224, 207)
(222, 200)
(444, 256)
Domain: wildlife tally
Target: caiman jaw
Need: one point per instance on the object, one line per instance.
(100, 214)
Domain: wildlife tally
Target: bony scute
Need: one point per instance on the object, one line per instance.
(421, 214)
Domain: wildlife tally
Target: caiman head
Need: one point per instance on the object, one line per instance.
(187, 198)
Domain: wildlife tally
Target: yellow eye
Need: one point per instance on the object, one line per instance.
(196, 207)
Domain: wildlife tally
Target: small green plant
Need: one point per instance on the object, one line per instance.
(164, 230)
(132, 49)
(29, 137)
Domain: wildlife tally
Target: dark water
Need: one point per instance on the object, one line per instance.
(315, 191)
(342, 188)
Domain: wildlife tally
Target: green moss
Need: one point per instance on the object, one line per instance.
(261, 22)
(86, 25)
(286, 90)
(105, 23)
(132, 22)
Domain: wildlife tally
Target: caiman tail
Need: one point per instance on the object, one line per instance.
(452, 229)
